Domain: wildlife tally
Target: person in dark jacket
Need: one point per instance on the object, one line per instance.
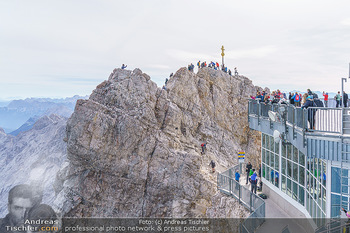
(345, 99)
(309, 92)
(291, 100)
(248, 167)
(212, 165)
(310, 112)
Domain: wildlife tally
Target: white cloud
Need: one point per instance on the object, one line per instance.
(190, 56)
(158, 66)
(251, 53)
(345, 22)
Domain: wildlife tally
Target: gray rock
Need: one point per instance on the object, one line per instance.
(134, 149)
(33, 157)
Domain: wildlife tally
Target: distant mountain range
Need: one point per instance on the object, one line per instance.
(17, 112)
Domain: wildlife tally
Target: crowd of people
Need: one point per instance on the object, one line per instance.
(213, 65)
(299, 99)
(306, 100)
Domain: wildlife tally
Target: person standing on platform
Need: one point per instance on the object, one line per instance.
(345, 99)
(253, 181)
(237, 176)
(248, 168)
(325, 96)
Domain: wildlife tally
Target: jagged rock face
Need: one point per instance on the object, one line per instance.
(33, 157)
(134, 149)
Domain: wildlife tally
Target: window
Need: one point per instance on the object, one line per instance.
(335, 201)
(277, 148)
(301, 195)
(284, 184)
(272, 158)
(295, 172)
(301, 176)
(271, 143)
(301, 159)
(295, 154)
(289, 168)
(289, 187)
(277, 162)
(263, 155)
(335, 187)
(295, 191)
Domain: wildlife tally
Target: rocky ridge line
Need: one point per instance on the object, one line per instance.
(134, 149)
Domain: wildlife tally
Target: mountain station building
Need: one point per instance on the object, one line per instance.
(305, 158)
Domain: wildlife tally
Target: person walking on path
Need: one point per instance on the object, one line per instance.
(325, 96)
(253, 181)
(212, 164)
(204, 147)
(237, 176)
(248, 168)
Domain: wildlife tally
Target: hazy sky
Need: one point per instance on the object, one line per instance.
(60, 48)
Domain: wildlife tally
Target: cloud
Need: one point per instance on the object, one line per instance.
(251, 53)
(189, 56)
(158, 66)
(345, 22)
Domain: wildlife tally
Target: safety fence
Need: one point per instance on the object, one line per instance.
(256, 205)
(312, 119)
(335, 226)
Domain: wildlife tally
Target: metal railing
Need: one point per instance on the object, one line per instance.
(256, 205)
(335, 226)
(313, 119)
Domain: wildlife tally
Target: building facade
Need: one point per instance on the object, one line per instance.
(305, 156)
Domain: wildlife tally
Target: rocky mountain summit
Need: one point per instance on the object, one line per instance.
(134, 149)
(32, 157)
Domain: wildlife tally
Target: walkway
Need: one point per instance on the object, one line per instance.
(276, 218)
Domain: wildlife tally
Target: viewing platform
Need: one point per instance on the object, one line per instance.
(331, 127)
(305, 158)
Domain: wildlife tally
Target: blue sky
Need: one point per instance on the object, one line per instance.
(60, 48)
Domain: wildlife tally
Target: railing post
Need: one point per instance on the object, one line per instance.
(294, 120)
(249, 109)
(230, 180)
(218, 181)
(250, 202)
(239, 194)
(259, 112)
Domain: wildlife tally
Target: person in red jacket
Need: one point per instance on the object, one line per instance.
(325, 95)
